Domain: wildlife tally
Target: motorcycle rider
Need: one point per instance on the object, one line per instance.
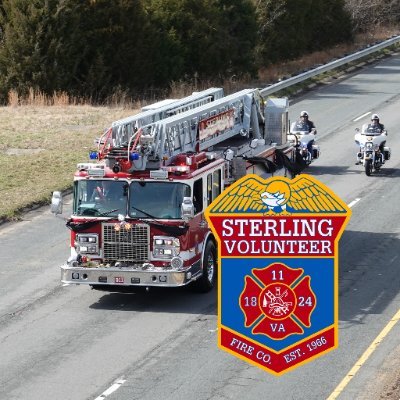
(375, 124)
(304, 123)
(376, 127)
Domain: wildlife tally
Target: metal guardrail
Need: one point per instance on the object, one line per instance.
(327, 67)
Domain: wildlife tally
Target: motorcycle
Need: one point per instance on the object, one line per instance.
(372, 152)
(304, 141)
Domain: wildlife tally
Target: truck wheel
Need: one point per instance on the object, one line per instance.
(209, 275)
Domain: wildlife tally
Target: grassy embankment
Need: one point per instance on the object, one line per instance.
(42, 139)
(40, 147)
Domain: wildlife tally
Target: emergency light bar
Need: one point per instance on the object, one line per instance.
(177, 168)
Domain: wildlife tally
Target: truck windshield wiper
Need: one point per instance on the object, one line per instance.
(143, 212)
(170, 229)
(94, 212)
(105, 213)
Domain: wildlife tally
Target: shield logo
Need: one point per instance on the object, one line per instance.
(278, 269)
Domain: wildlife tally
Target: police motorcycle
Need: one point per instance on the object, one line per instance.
(304, 141)
(372, 152)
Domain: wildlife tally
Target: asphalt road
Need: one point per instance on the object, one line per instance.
(72, 343)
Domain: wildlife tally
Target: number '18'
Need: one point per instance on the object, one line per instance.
(250, 301)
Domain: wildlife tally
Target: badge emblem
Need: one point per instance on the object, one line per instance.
(278, 269)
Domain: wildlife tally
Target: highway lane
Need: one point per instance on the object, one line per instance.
(73, 343)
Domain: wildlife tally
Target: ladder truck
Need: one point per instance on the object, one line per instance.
(138, 206)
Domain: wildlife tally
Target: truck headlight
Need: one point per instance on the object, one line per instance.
(165, 247)
(87, 243)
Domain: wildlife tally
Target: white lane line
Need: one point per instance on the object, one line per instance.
(361, 116)
(353, 202)
(115, 386)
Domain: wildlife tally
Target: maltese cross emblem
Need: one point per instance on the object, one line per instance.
(277, 301)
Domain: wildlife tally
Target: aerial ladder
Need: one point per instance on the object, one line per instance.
(235, 124)
(122, 130)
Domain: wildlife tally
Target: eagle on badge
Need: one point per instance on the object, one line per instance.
(276, 196)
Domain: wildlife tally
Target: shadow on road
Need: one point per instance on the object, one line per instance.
(173, 300)
(321, 170)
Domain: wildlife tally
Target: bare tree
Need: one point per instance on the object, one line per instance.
(369, 14)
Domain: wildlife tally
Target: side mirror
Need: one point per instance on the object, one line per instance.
(187, 209)
(357, 130)
(56, 203)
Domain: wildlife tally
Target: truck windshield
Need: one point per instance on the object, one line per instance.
(157, 199)
(100, 197)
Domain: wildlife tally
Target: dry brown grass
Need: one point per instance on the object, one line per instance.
(38, 98)
(40, 146)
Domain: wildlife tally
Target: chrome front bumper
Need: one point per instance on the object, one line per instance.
(115, 276)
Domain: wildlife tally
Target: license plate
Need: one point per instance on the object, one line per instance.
(119, 279)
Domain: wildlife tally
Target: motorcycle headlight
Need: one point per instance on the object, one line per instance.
(87, 243)
(165, 247)
(369, 146)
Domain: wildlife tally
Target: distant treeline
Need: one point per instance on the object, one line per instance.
(92, 48)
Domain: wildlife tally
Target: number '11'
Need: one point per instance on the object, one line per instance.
(275, 273)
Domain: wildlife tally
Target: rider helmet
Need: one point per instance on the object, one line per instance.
(304, 114)
(375, 117)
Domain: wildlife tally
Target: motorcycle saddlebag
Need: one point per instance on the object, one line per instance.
(387, 152)
(315, 151)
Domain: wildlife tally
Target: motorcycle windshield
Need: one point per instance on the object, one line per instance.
(371, 130)
(299, 128)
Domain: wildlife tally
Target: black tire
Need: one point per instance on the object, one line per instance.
(368, 167)
(208, 278)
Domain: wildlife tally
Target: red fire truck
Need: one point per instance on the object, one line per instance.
(138, 206)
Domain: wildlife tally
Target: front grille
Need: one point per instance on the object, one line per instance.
(126, 245)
